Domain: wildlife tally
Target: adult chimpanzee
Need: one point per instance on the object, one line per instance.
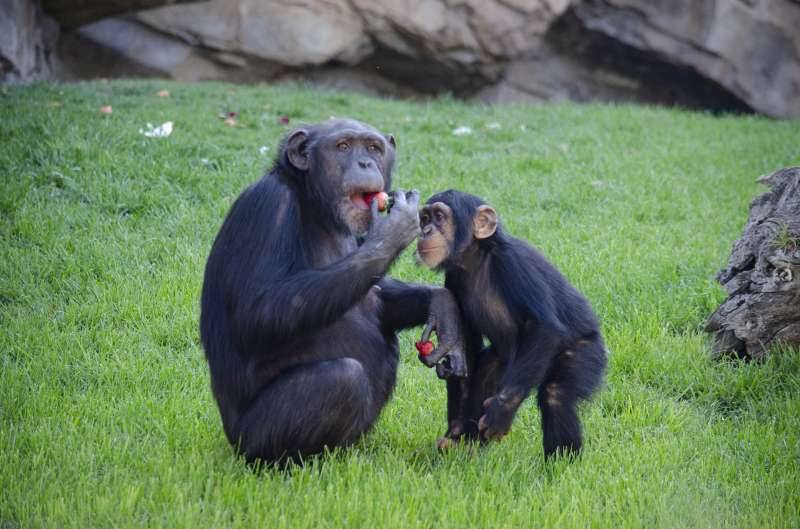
(297, 320)
(542, 332)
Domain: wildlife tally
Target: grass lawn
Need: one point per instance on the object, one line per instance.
(106, 415)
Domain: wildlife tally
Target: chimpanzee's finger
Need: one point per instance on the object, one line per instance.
(443, 371)
(426, 332)
(412, 197)
(458, 367)
(433, 358)
(482, 424)
(399, 199)
(373, 207)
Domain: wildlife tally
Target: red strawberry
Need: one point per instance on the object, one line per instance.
(382, 198)
(424, 348)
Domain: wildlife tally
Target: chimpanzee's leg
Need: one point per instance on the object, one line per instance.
(465, 396)
(328, 403)
(574, 375)
(484, 384)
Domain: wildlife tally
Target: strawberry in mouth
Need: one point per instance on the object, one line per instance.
(364, 200)
(380, 196)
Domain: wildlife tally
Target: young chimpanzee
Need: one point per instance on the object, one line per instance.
(542, 332)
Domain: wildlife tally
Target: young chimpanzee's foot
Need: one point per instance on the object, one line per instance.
(454, 435)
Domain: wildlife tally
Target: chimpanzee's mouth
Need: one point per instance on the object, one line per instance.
(359, 200)
(363, 199)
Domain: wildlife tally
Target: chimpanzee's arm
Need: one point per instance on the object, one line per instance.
(404, 305)
(312, 298)
(308, 299)
(534, 355)
(407, 306)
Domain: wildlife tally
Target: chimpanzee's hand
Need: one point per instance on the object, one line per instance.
(499, 412)
(393, 232)
(444, 317)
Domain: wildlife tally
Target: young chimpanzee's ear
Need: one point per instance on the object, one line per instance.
(296, 149)
(484, 224)
(391, 141)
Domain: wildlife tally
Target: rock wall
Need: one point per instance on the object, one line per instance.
(27, 42)
(735, 55)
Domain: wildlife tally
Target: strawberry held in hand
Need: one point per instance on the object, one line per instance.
(424, 347)
(380, 196)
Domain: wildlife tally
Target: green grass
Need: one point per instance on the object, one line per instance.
(106, 416)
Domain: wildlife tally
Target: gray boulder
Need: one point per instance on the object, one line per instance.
(728, 55)
(27, 42)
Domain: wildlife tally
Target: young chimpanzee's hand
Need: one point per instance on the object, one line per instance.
(498, 414)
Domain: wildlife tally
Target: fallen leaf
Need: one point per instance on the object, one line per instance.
(163, 93)
(263, 149)
(106, 109)
(231, 122)
(462, 131)
(494, 125)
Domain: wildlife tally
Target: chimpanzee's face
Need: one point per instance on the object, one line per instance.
(437, 234)
(361, 159)
(341, 162)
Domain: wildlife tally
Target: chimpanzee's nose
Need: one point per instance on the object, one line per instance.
(365, 164)
(427, 230)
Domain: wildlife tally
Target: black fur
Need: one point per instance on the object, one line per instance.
(298, 333)
(543, 334)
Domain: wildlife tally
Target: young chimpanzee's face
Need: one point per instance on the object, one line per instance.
(437, 234)
(450, 224)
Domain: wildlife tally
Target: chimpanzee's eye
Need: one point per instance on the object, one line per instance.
(373, 149)
(343, 146)
(439, 216)
(423, 218)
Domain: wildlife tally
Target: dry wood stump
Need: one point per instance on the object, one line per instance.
(762, 278)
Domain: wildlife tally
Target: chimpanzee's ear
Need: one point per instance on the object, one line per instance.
(296, 151)
(484, 224)
(392, 142)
